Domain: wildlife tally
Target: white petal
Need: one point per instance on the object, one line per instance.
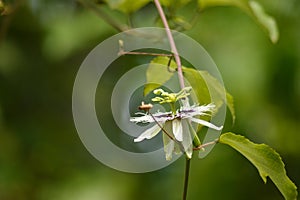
(177, 149)
(205, 108)
(169, 144)
(187, 142)
(142, 119)
(185, 103)
(149, 133)
(206, 123)
(197, 110)
(177, 129)
(160, 117)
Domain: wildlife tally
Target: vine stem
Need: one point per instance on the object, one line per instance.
(171, 41)
(89, 4)
(181, 81)
(121, 53)
(205, 145)
(186, 178)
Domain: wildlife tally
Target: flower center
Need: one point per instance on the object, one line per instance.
(171, 98)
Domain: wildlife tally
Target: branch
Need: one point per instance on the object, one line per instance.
(104, 16)
(171, 41)
(186, 178)
(201, 147)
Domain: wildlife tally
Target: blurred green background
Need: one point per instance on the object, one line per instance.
(42, 44)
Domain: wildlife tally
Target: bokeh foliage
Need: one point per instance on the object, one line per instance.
(42, 44)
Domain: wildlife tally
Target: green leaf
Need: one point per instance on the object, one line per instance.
(203, 84)
(267, 161)
(199, 85)
(266, 21)
(206, 86)
(157, 73)
(203, 4)
(252, 8)
(126, 6)
(230, 105)
(2, 7)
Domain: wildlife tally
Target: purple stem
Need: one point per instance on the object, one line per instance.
(172, 43)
